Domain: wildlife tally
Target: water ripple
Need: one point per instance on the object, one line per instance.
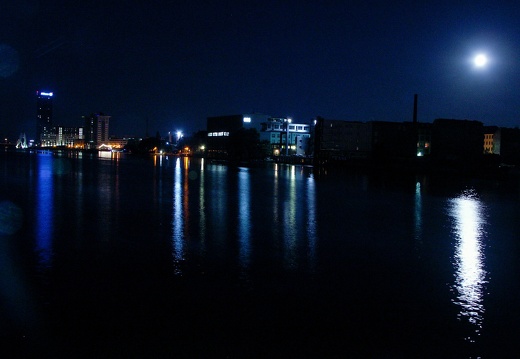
(470, 275)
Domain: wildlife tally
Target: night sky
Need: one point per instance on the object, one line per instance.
(174, 63)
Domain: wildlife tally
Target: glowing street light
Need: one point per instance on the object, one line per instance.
(287, 136)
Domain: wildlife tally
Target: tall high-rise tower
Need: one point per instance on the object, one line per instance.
(96, 130)
(43, 116)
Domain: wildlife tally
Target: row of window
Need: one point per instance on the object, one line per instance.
(291, 127)
(218, 134)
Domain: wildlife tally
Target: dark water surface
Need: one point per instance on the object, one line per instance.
(120, 256)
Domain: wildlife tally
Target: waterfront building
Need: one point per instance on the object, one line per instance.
(424, 139)
(221, 128)
(61, 136)
(342, 140)
(71, 137)
(50, 135)
(117, 143)
(43, 117)
(457, 140)
(506, 143)
(286, 137)
(393, 140)
(339, 140)
(490, 145)
(96, 130)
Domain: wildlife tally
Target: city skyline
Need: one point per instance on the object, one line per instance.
(172, 65)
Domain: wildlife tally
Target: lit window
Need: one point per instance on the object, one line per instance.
(247, 119)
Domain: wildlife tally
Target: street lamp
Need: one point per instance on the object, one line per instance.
(287, 122)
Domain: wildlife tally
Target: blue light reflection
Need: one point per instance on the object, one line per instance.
(44, 210)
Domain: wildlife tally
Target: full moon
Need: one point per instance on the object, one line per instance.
(480, 60)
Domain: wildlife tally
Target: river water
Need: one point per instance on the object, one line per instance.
(111, 255)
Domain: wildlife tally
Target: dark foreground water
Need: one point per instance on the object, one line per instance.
(174, 257)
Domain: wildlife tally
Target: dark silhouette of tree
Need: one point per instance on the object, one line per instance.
(199, 139)
(265, 148)
(144, 146)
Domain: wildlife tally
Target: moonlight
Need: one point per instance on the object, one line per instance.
(480, 60)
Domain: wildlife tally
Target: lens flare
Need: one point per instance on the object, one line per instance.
(11, 218)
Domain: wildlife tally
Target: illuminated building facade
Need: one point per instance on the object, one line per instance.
(43, 117)
(69, 136)
(491, 137)
(60, 136)
(117, 143)
(96, 127)
(286, 137)
(488, 142)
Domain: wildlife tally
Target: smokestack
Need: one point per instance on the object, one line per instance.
(415, 108)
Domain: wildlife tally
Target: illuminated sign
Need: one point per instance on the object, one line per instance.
(46, 94)
(247, 119)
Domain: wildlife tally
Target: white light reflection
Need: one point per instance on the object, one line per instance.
(470, 276)
(311, 220)
(177, 223)
(244, 218)
(289, 214)
(418, 212)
